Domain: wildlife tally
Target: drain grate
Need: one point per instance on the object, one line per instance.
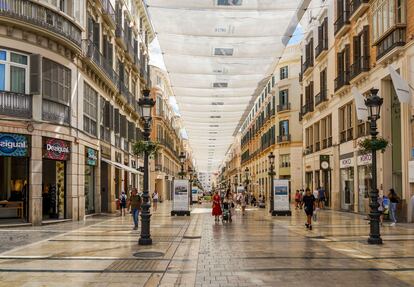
(148, 254)
(136, 266)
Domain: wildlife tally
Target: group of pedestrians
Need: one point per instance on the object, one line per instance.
(319, 194)
(133, 204)
(226, 205)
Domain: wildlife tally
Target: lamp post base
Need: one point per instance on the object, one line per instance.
(145, 241)
(375, 240)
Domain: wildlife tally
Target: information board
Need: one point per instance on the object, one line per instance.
(281, 195)
(181, 197)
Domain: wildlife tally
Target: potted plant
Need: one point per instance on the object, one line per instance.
(141, 146)
(368, 144)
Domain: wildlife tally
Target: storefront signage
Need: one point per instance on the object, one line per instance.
(364, 159)
(324, 162)
(106, 152)
(91, 156)
(346, 162)
(14, 145)
(281, 195)
(56, 149)
(181, 198)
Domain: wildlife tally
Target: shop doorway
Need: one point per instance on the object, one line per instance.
(104, 186)
(14, 188)
(89, 189)
(54, 189)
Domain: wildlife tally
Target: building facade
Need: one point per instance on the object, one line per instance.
(272, 125)
(350, 44)
(71, 73)
(166, 163)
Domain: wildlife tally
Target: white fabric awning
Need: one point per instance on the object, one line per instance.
(121, 166)
(216, 53)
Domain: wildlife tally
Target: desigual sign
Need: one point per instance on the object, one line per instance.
(14, 145)
(56, 149)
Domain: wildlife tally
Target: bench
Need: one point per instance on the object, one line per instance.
(17, 205)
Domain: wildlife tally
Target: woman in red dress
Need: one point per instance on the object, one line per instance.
(216, 206)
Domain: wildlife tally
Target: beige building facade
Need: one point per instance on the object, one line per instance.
(71, 73)
(349, 45)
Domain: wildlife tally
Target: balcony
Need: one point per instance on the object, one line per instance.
(342, 80)
(105, 134)
(317, 146)
(358, 7)
(108, 13)
(321, 97)
(346, 135)
(283, 138)
(47, 20)
(283, 108)
(321, 48)
(158, 167)
(342, 24)
(307, 108)
(307, 64)
(55, 112)
(15, 105)
(396, 38)
(360, 66)
(93, 54)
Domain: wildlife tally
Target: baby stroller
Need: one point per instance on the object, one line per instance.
(226, 217)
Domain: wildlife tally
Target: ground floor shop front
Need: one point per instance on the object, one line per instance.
(45, 176)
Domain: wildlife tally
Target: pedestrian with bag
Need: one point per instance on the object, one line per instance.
(155, 200)
(135, 203)
(394, 200)
(216, 212)
(123, 203)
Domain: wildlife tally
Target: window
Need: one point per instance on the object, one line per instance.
(56, 92)
(229, 2)
(284, 128)
(90, 110)
(386, 15)
(284, 74)
(284, 97)
(346, 122)
(284, 160)
(13, 72)
(316, 133)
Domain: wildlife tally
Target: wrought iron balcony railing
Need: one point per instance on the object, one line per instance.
(341, 80)
(284, 107)
(341, 21)
(15, 104)
(321, 97)
(108, 11)
(283, 138)
(43, 17)
(361, 65)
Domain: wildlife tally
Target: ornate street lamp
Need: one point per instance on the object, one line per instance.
(272, 174)
(246, 180)
(190, 174)
(373, 103)
(146, 103)
(182, 161)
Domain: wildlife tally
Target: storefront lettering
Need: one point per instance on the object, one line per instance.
(365, 159)
(347, 162)
(56, 149)
(13, 145)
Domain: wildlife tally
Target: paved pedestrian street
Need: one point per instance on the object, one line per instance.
(255, 250)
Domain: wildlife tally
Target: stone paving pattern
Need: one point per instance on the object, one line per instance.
(254, 250)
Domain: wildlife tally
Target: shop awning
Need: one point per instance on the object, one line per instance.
(121, 166)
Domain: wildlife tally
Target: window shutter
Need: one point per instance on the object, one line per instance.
(320, 36)
(35, 74)
(116, 121)
(111, 116)
(311, 50)
(123, 126)
(325, 31)
(110, 53)
(131, 131)
(105, 46)
(356, 49)
(90, 28)
(366, 47)
(96, 34)
(347, 59)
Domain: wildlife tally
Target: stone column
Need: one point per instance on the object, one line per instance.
(72, 184)
(81, 182)
(35, 181)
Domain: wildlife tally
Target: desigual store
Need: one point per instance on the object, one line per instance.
(14, 176)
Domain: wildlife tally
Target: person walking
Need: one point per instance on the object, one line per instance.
(155, 200)
(216, 212)
(135, 203)
(298, 198)
(123, 203)
(243, 202)
(394, 200)
(309, 203)
(321, 197)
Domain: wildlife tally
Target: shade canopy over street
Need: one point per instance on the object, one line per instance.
(216, 54)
